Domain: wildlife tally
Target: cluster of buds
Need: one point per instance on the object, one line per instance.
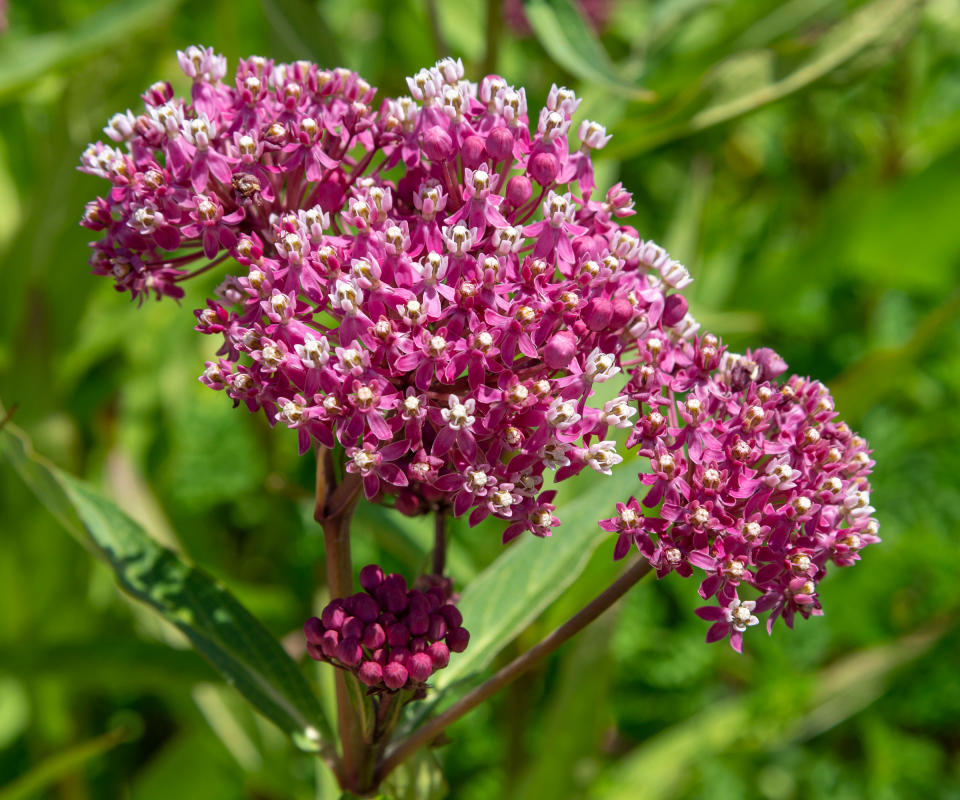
(429, 283)
(752, 482)
(389, 636)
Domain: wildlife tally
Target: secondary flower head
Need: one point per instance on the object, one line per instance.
(455, 317)
(390, 636)
(758, 484)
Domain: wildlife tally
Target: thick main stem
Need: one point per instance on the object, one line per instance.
(335, 519)
(432, 728)
(439, 541)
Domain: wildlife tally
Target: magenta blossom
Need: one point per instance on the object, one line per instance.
(757, 483)
(451, 320)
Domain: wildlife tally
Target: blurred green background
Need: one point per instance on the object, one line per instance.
(802, 158)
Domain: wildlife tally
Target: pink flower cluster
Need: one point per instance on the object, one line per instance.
(429, 283)
(391, 637)
(751, 482)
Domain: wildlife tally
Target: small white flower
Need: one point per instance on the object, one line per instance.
(459, 239)
(617, 412)
(562, 414)
(291, 412)
(554, 455)
(603, 456)
(600, 367)
(347, 296)
(780, 475)
(740, 614)
(502, 500)
(593, 134)
(364, 461)
(459, 416)
(313, 354)
(120, 127)
(675, 275)
(477, 480)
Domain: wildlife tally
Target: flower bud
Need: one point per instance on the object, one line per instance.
(557, 354)
(398, 635)
(371, 576)
(329, 644)
(770, 362)
(439, 654)
(315, 652)
(408, 503)
(373, 636)
(398, 654)
(333, 615)
(418, 623)
(350, 652)
(457, 640)
(452, 615)
(674, 309)
(499, 144)
(370, 673)
(330, 195)
(313, 629)
(419, 667)
(598, 313)
(392, 598)
(394, 675)
(352, 628)
(519, 190)
(472, 151)
(437, 597)
(438, 627)
(364, 607)
(543, 168)
(622, 312)
(437, 144)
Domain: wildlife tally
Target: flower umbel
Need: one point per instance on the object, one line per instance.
(462, 314)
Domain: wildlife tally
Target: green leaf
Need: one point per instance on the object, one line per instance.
(219, 627)
(571, 43)
(839, 691)
(26, 59)
(516, 588)
(866, 26)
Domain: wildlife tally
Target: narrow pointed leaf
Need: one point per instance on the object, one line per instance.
(570, 42)
(219, 627)
(863, 28)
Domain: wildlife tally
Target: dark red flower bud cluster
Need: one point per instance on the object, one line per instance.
(390, 636)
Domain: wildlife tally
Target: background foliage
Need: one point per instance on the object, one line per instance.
(801, 157)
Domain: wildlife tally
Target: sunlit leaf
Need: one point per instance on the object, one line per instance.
(569, 41)
(513, 591)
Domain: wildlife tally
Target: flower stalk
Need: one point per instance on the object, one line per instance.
(439, 542)
(334, 511)
(521, 664)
